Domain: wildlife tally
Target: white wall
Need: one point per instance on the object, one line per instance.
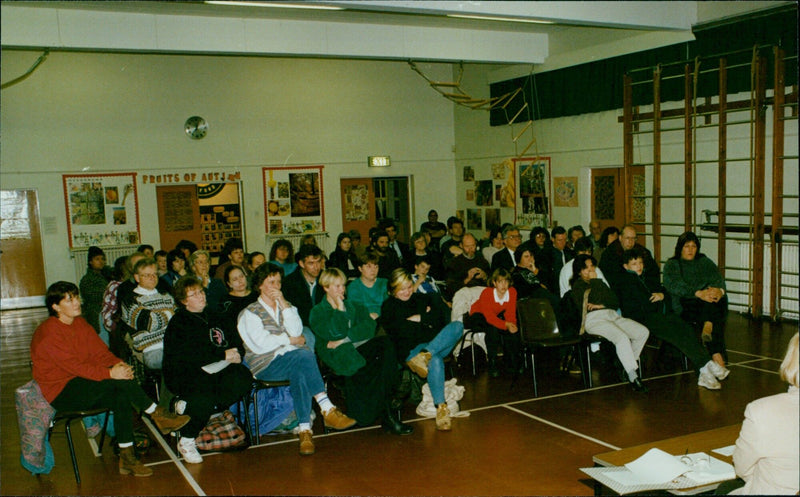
(83, 112)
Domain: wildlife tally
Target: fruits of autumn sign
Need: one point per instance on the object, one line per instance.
(293, 200)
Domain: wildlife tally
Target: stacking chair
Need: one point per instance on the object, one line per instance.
(69, 417)
(539, 330)
(462, 301)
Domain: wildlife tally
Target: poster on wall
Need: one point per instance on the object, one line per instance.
(220, 215)
(293, 200)
(474, 219)
(565, 191)
(534, 187)
(102, 209)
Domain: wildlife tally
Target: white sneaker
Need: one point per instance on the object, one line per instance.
(721, 372)
(188, 449)
(707, 380)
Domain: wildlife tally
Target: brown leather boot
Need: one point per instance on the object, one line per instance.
(306, 443)
(128, 463)
(168, 422)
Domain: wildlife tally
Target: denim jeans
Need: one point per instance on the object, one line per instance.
(441, 345)
(299, 367)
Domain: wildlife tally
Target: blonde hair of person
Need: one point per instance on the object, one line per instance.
(196, 255)
(330, 276)
(398, 279)
(790, 366)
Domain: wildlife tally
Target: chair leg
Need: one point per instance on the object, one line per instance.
(533, 373)
(474, 371)
(103, 433)
(72, 451)
(589, 365)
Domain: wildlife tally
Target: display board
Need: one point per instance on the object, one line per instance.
(533, 205)
(293, 200)
(102, 209)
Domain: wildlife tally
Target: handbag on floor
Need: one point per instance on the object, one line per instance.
(222, 433)
(452, 394)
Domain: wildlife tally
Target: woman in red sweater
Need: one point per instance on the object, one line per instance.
(76, 371)
(495, 313)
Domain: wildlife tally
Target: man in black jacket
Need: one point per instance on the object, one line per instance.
(611, 260)
(301, 288)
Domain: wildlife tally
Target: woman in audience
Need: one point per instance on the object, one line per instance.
(282, 255)
(607, 237)
(346, 342)
(528, 279)
(202, 363)
(420, 248)
(599, 304)
(698, 293)
(253, 260)
(343, 257)
(200, 261)
(93, 285)
(176, 267)
(768, 448)
(76, 371)
(495, 313)
(495, 244)
(420, 328)
(368, 289)
(275, 350)
(238, 297)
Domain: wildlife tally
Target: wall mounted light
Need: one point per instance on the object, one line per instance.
(379, 161)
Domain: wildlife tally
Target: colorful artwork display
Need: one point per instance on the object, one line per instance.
(293, 199)
(534, 185)
(96, 215)
(565, 191)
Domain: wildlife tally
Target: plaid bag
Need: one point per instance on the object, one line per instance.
(222, 433)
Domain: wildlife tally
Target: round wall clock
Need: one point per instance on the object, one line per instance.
(196, 127)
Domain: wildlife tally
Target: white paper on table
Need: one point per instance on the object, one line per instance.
(657, 466)
(725, 451)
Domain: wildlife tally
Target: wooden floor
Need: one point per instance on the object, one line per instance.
(510, 444)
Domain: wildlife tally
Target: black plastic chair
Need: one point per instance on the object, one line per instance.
(539, 330)
(251, 397)
(68, 417)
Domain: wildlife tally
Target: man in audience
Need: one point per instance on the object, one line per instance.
(146, 249)
(301, 288)
(505, 257)
(468, 268)
(612, 265)
(450, 247)
(595, 230)
(368, 290)
(558, 255)
(147, 312)
(379, 245)
(582, 246)
(399, 248)
(435, 229)
(573, 234)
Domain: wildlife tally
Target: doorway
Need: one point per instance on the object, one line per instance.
(365, 201)
(608, 197)
(22, 276)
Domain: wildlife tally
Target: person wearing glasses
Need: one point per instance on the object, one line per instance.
(611, 262)
(505, 257)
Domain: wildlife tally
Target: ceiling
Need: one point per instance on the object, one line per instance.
(418, 30)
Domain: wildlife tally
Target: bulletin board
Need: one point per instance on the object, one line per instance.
(490, 195)
(102, 209)
(293, 200)
(534, 203)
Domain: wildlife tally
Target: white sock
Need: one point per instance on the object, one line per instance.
(324, 402)
(186, 440)
(180, 407)
(125, 444)
(151, 409)
(304, 426)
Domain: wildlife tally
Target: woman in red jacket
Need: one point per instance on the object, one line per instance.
(495, 313)
(76, 372)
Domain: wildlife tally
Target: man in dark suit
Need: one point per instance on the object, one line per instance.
(505, 257)
(612, 264)
(302, 289)
(558, 255)
(399, 248)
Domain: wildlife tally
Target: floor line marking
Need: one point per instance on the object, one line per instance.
(164, 445)
(754, 355)
(759, 369)
(563, 428)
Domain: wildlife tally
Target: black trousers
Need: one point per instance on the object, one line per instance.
(210, 393)
(369, 390)
(118, 395)
(699, 311)
(511, 343)
(676, 331)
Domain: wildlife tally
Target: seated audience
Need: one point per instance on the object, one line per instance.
(200, 262)
(495, 244)
(202, 363)
(343, 257)
(495, 313)
(423, 282)
(355, 239)
(595, 230)
(238, 297)
(346, 342)
(76, 371)
(646, 306)
(768, 448)
(608, 237)
(420, 248)
(698, 295)
(368, 289)
(505, 257)
(282, 255)
(93, 286)
(176, 267)
(599, 305)
(450, 246)
(528, 279)
(558, 255)
(253, 260)
(146, 249)
(398, 248)
(611, 263)
(161, 262)
(308, 239)
(147, 313)
(420, 328)
(582, 246)
(436, 229)
(272, 332)
(468, 269)
(187, 247)
(301, 287)
(574, 234)
(387, 259)
(232, 253)
(110, 312)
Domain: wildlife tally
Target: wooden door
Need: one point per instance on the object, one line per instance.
(358, 206)
(608, 197)
(178, 215)
(22, 277)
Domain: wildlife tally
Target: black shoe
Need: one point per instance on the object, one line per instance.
(393, 425)
(493, 371)
(639, 386)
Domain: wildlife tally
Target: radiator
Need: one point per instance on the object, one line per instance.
(323, 238)
(789, 279)
(79, 256)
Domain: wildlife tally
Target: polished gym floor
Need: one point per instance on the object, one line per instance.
(510, 443)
